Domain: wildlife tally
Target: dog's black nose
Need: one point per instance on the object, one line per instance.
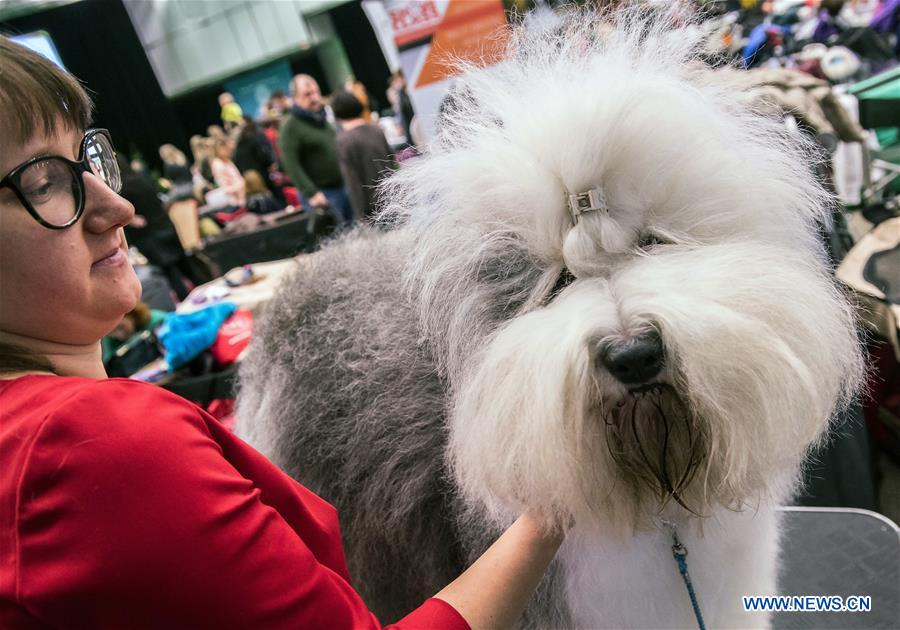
(635, 361)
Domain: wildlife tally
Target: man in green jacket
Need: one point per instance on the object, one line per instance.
(309, 152)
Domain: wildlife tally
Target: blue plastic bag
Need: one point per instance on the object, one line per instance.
(185, 336)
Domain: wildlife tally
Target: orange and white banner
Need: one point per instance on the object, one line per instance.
(429, 33)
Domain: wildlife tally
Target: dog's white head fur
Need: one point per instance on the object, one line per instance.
(711, 240)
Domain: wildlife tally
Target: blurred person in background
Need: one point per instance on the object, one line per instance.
(135, 321)
(231, 113)
(270, 131)
(400, 103)
(153, 233)
(278, 106)
(279, 103)
(357, 89)
(215, 132)
(177, 172)
(309, 153)
(254, 152)
(226, 174)
(260, 199)
(202, 150)
(363, 153)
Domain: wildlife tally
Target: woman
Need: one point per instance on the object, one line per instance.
(154, 234)
(226, 174)
(253, 151)
(124, 505)
(259, 198)
(201, 149)
(177, 172)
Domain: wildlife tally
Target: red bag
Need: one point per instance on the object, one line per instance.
(227, 217)
(291, 196)
(234, 336)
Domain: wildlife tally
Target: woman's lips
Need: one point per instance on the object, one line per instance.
(113, 259)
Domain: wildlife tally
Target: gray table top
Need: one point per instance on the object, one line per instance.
(838, 551)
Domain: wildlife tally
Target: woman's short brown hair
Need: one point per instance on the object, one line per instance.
(35, 94)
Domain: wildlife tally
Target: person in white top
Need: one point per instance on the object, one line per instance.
(227, 175)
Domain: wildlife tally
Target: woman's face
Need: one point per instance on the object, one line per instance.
(68, 286)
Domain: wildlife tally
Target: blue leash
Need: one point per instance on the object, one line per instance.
(679, 552)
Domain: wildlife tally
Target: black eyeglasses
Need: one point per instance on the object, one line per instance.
(51, 187)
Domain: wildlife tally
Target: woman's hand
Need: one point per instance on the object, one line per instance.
(494, 591)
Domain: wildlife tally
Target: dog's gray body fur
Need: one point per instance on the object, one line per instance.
(362, 423)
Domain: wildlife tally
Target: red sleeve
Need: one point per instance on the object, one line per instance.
(130, 516)
(435, 613)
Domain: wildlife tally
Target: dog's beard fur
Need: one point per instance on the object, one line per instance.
(657, 444)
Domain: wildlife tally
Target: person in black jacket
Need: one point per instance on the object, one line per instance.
(153, 233)
(177, 171)
(254, 153)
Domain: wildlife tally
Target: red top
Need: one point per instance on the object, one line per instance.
(124, 506)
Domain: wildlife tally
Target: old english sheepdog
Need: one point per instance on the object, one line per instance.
(605, 301)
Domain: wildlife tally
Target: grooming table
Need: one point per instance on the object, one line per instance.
(837, 551)
(250, 296)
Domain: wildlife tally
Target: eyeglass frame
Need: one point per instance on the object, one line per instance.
(78, 168)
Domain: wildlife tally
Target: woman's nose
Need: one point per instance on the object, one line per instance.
(104, 209)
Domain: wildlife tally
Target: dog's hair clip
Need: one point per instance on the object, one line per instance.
(588, 201)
